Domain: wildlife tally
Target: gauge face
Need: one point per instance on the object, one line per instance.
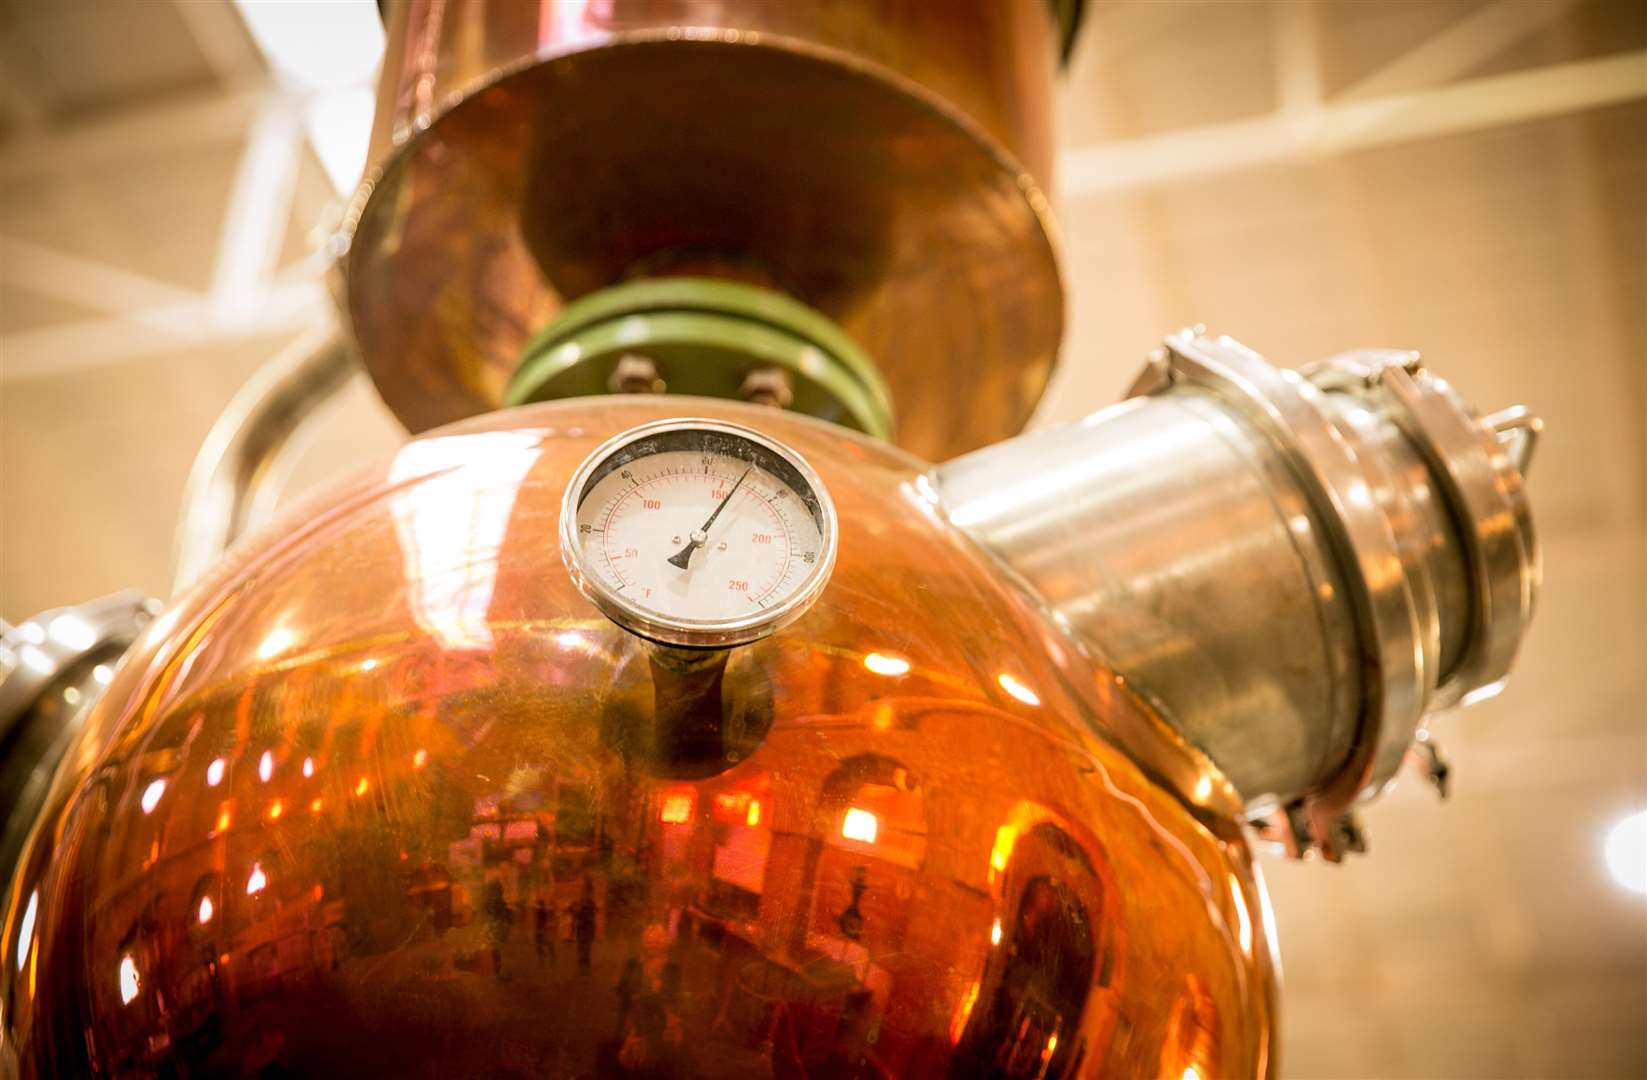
(698, 532)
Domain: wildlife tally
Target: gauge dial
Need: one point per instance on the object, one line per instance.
(698, 532)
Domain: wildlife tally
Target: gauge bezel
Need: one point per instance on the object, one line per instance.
(684, 632)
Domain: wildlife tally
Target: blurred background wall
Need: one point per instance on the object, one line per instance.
(1466, 177)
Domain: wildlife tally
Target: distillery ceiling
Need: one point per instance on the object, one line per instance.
(1466, 178)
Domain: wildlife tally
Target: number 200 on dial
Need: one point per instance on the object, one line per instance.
(698, 532)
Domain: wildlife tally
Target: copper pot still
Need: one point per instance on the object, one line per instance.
(386, 793)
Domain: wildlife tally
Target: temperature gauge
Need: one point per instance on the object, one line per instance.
(698, 533)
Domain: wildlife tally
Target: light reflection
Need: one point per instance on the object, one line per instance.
(130, 984)
(25, 930)
(1018, 689)
(265, 766)
(420, 759)
(103, 673)
(363, 786)
(963, 1012)
(308, 767)
(860, 824)
(1242, 918)
(151, 795)
(754, 817)
(257, 881)
(214, 772)
(995, 932)
(450, 525)
(1626, 852)
(276, 808)
(279, 640)
(73, 630)
(368, 664)
(36, 660)
(1191, 1073)
(223, 819)
(676, 808)
(890, 666)
(206, 910)
(314, 807)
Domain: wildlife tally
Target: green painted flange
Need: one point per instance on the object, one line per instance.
(705, 336)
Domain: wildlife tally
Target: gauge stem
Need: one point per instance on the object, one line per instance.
(687, 702)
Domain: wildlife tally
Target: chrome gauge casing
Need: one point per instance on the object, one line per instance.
(758, 572)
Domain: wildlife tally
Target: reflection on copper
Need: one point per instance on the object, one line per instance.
(265, 766)
(276, 808)
(451, 553)
(279, 640)
(257, 880)
(206, 911)
(995, 931)
(362, 786)
(314, 807)
(676, 807)
(1243, 918)
(963, 1011)
(214, 772)
(130, 983)
(151, 795)
(1017, 689)
(223, 819)
(882, 664)
(25, 930)
(754, 816)
(860, 825)
(308, 767)
(420, 759)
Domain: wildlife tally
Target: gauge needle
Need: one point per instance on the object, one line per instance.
(701, 536)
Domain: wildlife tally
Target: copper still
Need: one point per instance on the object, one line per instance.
(407, 784)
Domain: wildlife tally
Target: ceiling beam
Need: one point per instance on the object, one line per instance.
(1342, 127)
(211, 119)
(193, 324)
(1462, 47)
(43, 271)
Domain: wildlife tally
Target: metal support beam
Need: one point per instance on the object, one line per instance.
(1343, 127)
(1462, 47)
(46, 272)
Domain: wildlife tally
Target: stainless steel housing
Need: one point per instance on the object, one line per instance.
(1297, 566)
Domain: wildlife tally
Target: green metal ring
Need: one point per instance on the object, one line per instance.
(705, 335)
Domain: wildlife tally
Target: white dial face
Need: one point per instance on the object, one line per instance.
(698, 527)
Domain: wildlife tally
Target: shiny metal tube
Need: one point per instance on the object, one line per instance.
(1295, 568)
(239, 471)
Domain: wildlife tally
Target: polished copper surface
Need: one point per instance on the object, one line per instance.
(881, 162)
(386, 796)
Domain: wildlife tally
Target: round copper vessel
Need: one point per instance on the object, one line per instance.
(882, 163)
(385, 796)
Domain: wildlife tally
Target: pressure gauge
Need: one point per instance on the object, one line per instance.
(698, 533)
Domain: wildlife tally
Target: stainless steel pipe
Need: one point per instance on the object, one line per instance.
(1296, 567)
